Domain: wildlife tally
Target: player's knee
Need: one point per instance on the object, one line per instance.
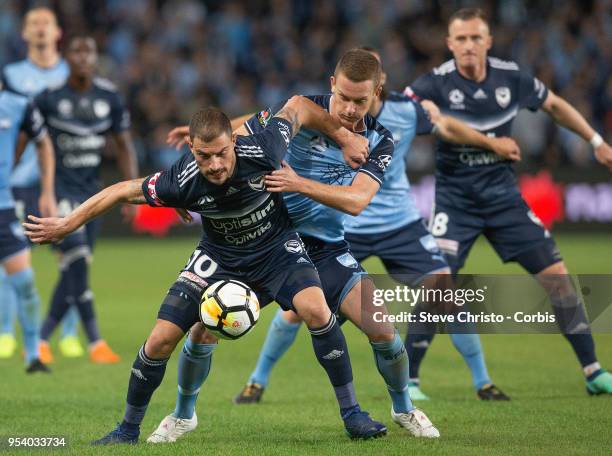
(311, 307)
(200, 335)
(555, 280)
(291, 317)
(162, 340)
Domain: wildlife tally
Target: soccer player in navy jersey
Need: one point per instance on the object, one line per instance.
(247, 236)
(18, 117)
(477, 191)
(80, 113)
(319, 198)
(43, 67)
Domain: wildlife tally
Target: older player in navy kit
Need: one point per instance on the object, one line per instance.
(477, 192)
(20, 117)
(318, 213)
(80, 114)
(222, 180)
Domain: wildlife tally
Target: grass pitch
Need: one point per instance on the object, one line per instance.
(550, 412)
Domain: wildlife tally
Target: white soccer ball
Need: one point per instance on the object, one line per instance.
(229, 309)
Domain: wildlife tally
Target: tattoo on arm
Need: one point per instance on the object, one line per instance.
(290, 115)
(135, 192)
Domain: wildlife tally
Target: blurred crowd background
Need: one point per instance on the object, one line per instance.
(171, 57)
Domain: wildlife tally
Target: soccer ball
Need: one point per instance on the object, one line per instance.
(229, 309)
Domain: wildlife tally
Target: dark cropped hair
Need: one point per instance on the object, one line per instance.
(208, 124)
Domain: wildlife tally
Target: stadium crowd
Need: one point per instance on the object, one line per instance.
(170, 57)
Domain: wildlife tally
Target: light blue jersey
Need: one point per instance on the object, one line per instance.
(316, 157)
(16, 114)
(28, 79)
(393, 206)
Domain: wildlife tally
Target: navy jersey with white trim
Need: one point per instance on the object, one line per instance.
(393, 206)
(16, 114)
(240, 213)
(490, 106)
(78, 123)
(317, 157)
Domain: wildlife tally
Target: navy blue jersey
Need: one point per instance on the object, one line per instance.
(78, 123)
(468, 173)
(317, 157)
(239, 214)
(16, 114)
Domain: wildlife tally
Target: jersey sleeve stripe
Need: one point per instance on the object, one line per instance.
(372, 175)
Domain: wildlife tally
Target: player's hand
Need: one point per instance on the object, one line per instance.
(178, 137)
(47, 205)
(603, 154)
(507, 148)
(355, 148)
(46, 230)
(283, 180)
(432, 110)
(128, 212)
(184, 215)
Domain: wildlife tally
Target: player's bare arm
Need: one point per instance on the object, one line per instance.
(453, 130)
(566, 115)
(47, 203)
(351, 199)
(54, 229)
(128, 165)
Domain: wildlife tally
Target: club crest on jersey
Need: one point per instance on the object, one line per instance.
(294, 246)
(264, 117)
(101, 108)
(257, 183)
(383, 161)
(64, 107)
(347, 260)
(456, 98)
(502, 96)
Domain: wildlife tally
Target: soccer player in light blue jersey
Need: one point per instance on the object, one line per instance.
(391, 228)
(19, 117)
(42, 68)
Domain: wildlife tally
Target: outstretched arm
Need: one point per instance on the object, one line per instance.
(566, 115)
(453, 130)
(300, 111)
(128, 165)
(54, 229)
(351, 199)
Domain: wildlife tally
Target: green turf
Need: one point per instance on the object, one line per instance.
(550, 412)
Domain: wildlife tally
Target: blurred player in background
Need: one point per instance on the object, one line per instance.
(80, 114)
(42, 68)
(20, 117)
(391, 228)
(477, 192)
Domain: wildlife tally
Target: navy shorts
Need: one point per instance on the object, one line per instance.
(26, 201)
(12, 239)
(512, 229)
(277, 272)
(84, 237)
(409, 253)
(338, 269)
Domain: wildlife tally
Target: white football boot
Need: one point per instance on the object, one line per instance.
(417, 423)
(171, 428)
